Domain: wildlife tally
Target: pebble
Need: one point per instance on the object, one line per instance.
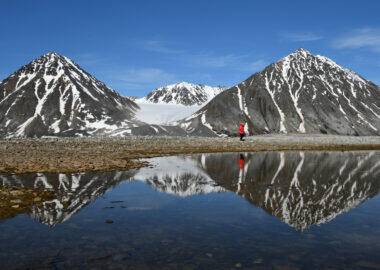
(16, 201)
(16, 192)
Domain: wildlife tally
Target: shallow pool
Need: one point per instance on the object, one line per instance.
(271, 210)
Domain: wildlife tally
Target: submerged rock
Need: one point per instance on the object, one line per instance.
(14, 201)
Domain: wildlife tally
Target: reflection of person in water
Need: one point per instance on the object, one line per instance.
(241, 161)
(241, 172)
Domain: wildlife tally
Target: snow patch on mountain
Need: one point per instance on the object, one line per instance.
(158, 113)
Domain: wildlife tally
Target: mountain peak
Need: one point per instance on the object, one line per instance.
(302, 50)
(184, 84)
(52, 57)
(51, 54)
(301, 93)
(183, 93)
(300, 53)
(56, 96)
(305, 60)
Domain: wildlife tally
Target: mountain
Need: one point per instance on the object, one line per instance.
(301, 93)
(53, 96)
(174, 102)
(183, 93)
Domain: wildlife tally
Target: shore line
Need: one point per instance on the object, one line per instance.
(73, 155)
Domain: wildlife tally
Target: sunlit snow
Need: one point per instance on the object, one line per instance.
(163, 113)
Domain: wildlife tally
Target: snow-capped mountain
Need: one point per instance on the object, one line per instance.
(183, 93)
(301, 93)
(53, 96)
(174, 102)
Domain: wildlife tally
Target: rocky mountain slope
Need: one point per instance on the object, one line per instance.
(53, 96)
(183, 93)
(301, 93)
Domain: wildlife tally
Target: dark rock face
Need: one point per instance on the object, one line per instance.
(184, 93)
(53, 96)
(301, 93)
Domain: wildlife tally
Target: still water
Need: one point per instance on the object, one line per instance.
(276, 210)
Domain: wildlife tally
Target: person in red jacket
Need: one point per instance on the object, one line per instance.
(241, 131)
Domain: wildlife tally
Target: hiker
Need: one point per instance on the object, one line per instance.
(241, 132)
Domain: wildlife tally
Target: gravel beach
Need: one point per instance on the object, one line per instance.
(69, 155)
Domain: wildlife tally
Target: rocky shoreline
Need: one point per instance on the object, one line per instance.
(69, 155)
(14, 201)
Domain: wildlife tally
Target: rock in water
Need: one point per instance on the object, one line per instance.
(301, 93)
(53, 96)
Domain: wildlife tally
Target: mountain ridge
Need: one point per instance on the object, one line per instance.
(183, 93)
(298, 94)
(53, 96)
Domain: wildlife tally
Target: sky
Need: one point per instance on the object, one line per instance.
(135, 46)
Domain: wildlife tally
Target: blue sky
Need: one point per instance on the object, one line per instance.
(136, 46)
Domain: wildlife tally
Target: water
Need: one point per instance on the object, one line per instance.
(286, 210)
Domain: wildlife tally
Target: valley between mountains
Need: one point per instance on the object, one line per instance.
(301, 93)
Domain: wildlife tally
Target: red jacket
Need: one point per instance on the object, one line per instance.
(241, 163)
(241, 129)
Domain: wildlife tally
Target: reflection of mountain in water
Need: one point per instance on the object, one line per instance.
(300, 188)
(73, 191)
(180, 176)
